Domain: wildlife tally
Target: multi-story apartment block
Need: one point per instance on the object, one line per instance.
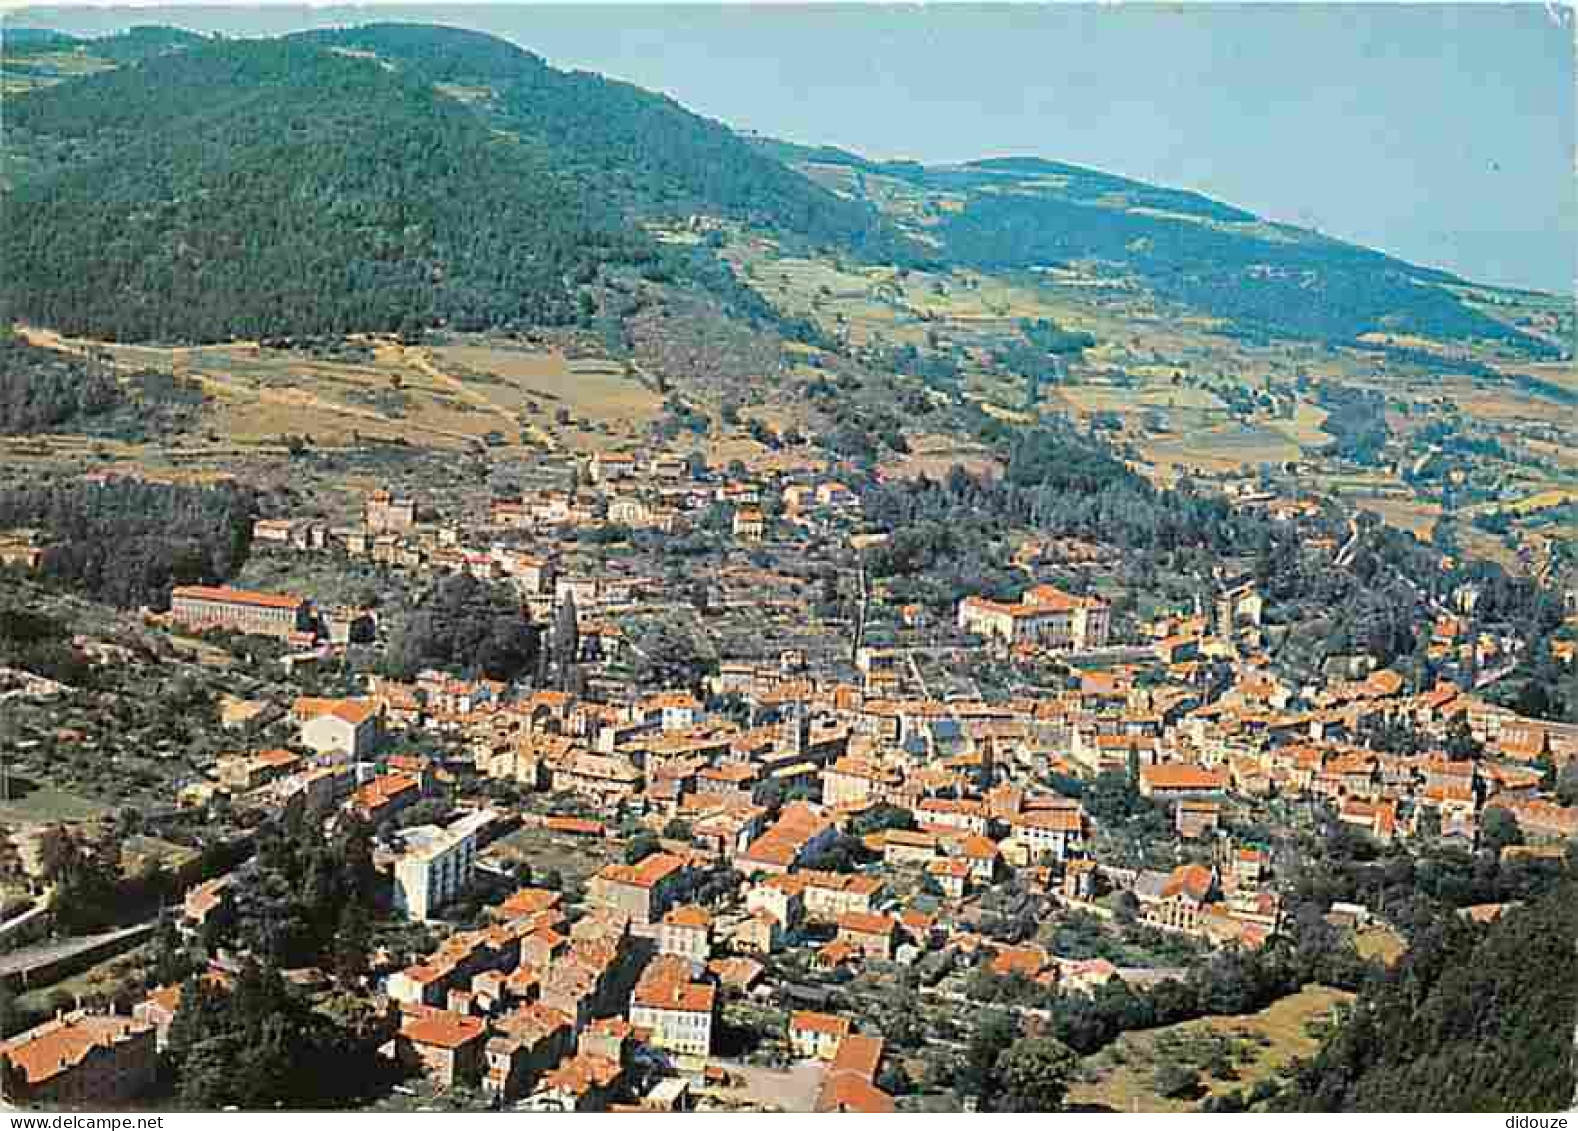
(437, 865)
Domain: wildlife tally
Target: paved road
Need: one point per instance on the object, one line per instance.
(30, 958)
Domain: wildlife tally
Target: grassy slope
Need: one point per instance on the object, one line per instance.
(1121, 1077)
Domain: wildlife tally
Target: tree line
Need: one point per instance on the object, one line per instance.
(126, 541)
(42, 390)
(1470, 1018)
(472, 625)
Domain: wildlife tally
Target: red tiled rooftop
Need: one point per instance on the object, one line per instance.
(806, 1020)
(230, 596)
(863, 923)
(648, 873)
(1181, 775)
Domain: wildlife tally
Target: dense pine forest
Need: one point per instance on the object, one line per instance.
(127, 541)
(45, 391)
(1470, 1019)
(286, 187)
(246, 190)
(639, 150)
(428, 176)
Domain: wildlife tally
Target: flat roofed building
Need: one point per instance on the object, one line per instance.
(437, 865)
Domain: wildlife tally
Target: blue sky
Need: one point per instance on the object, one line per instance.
(1441, 133)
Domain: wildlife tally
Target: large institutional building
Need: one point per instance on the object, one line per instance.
(241, 610)
(1045, 615)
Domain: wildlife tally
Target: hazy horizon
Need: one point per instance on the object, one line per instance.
(1442, 134)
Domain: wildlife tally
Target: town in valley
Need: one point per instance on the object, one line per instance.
(841, 669)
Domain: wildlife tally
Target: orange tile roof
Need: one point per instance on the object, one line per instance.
(848, 1092)
(578, 826)
(648, 873)
(1181, 775)
(863, 923)
(581, 1073)
(1056, 820)
(230, 596)
(977, 848)
(790, 883)
(529, 901)
(353, 711)
(859, 1054)
(738, 971)
(682, 997)
(532, 1022)
(1191, 879)
(48, 1050)
(809, 1021)
(1028, 961)
(382, 790)
(443, 1029)
(689, 916)
(734, 772)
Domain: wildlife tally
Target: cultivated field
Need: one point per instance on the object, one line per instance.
(534, 384)
(451, 396)
(1413, 515)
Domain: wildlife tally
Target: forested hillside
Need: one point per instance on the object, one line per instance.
(621, 143)
(242, 190)
(42, 391)
(1263, 279)
(1316, 290)
(212, 189)
(396, 176)
(133, 43)
(1470, 1019)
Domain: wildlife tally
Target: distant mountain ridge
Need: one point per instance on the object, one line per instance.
(1264, 279)
(512, 184)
